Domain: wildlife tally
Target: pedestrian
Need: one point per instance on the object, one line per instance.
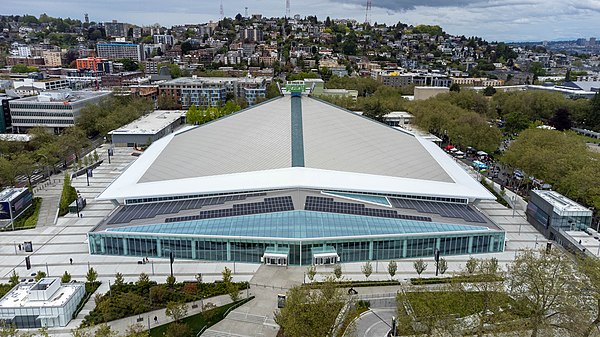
(71, 260)
(155, 320)
(19, 246)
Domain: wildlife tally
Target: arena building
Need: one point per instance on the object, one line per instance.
(295, 181)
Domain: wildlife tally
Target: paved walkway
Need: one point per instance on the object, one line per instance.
(50, 191)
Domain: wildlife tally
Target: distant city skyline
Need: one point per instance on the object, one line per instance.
(493, 20)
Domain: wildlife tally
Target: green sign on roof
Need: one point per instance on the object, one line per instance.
(295, 87)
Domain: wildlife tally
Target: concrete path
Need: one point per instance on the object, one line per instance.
(373, 323)
(256, 317)
(50, 191)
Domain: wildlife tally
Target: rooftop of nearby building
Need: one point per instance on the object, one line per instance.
(151, 123)
(62, 96)
(561, 204)
(19, 296)
(9, 193)
(15, 137)
(194, 80)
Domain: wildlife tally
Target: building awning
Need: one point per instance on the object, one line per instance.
(7, 316)
(276, 252)
(326, 251)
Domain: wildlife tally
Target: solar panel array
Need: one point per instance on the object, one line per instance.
(146, 211)
(269, 205)
(446, 210)
(321, 204)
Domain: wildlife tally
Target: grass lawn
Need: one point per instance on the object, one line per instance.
(196, 322)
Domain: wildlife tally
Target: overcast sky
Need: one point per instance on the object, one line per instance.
(494, 20)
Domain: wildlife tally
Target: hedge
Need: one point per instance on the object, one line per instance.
(69, 194)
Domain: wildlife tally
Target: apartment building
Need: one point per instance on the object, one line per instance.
(120, 50)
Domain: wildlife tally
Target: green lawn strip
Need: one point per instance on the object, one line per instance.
(196, 322)
(426, 304)
(28, 219)
(90, 288)
(499, 198)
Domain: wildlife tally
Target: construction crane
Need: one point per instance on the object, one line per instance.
(221, 11)
(368, 12)
(246, 12)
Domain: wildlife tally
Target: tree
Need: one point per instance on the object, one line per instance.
(91, 275)
(442, 265)
(177, 329)
(420, 266)
(171, 281)
(176, 310)
(167, 102)
(490, 290)
(337, 271)
(119, 280)
(471, 265)
(40, 275)
(226, 274)
(233, 290)
(311, 271)
(14, 279)
(136, 330)
(143, 280)
(367, 269)
(589, 268)
(193, 115)
(489, 91)
(66, 277)
(542, 284)
(104, 330)
(455, 87)
(392, 268)
(375, 110)
(310, 312)
(561, 119)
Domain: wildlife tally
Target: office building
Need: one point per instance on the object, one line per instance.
(212, 91)
(47, 303)
(148, 129)
(550, 212)
(395, 79)
(54, 110)
(297, 181)
(120, 50)
(116, 29)
(94, 64)
(13, 202)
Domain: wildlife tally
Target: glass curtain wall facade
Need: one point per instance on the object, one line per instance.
(300, 252)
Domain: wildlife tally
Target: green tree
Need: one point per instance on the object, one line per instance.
(589, 312)
(104, 330)
(171, 281)
(66, 277)
(561, 119)
(143, 280)
(310, 312)
(420, 266)
(471, 265)
(40, 275)
(14, 279)
(226, 274)
(367, 269)
(119, 280)
(455, 87)
(193, 115)
(442, 265)
(337, 271)
(311, 271)
(392, 268)
(489, 91)
(542, 283)
(176, 310)
(91, 275)
(137, 330)
(177, 329)
(375, 110)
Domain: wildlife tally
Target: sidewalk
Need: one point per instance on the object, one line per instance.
(50, 191)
